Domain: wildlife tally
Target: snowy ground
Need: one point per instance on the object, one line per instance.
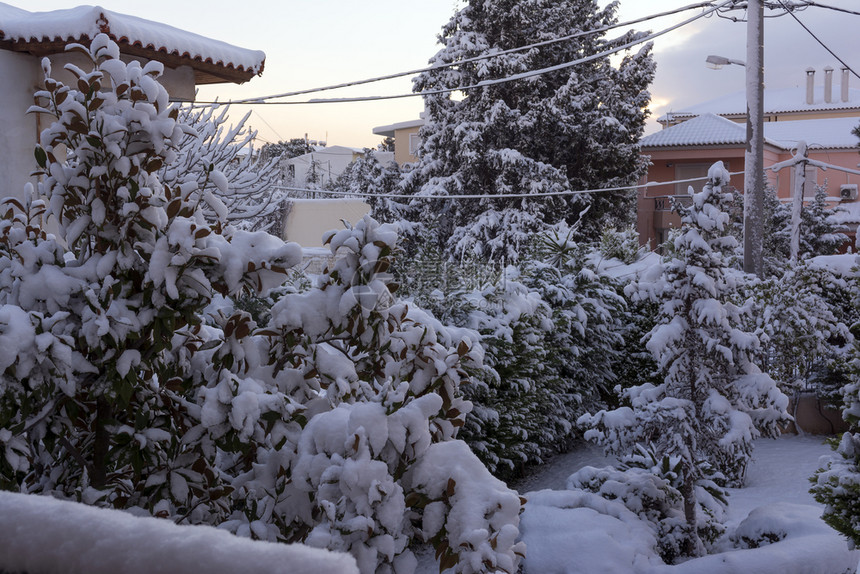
(567, 534)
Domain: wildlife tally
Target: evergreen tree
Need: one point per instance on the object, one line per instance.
(367, 175)
(801, 336)
(572, 128)
(819, 234)
(285, 150)
(713, 400)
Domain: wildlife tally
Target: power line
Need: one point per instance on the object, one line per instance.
(475, 59)
(835, 8)
(817, 39)
(484, 83)
(491, 196)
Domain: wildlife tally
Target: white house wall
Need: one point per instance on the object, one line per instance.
(309, 219)
(330, 163)
(18, 130)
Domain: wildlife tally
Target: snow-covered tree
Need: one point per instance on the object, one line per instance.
(572, 128)
(837, 483)
(130, 380)
(285, 149)
(368, 175)
(820, 233)
(220, 157)
(713, 400)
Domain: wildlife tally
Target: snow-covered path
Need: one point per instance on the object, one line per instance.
(779, 472)
(563, 537)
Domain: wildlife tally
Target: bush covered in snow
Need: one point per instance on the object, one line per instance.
(221, 159)
(552, 329)
(650, 487)
(128, 383)
(803, 340)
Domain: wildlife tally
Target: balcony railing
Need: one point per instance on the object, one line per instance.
(664, 202)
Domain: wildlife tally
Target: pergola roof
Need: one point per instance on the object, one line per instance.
(44, 33)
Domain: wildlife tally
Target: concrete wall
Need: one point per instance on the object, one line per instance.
(812, 416)
(18, 130)
(308, 219)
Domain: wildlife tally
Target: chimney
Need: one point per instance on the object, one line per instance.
(845, 96)
(828, 84)
(810, 86)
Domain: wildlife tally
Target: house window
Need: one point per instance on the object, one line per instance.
(414, 144)
(691, 171)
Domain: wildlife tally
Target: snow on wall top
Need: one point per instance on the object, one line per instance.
(42, 534)
(711, 129)
(775, 101)
(73, 24)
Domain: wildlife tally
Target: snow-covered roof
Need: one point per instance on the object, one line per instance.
(705, 130)
(388, 131)
(43, 33)
(776, 101)
(830, 133)
(710, 129)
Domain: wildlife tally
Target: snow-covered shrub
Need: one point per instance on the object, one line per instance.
(622, 245)
(649, 486)
(714, 400)
(837, 486)
(221, 160)
(801, 336)
(551, 329)
(130, 379)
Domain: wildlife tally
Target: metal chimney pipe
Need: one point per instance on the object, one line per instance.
(810, 86)
(828, 84)
(845, 96)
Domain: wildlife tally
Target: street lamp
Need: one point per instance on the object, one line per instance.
(754, 155)
(717, 62)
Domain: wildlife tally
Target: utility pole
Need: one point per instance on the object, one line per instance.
(754, 157)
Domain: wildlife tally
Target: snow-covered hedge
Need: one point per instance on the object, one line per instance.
(129, 380)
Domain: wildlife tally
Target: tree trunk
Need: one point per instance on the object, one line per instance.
(692, 544)
(101, 444)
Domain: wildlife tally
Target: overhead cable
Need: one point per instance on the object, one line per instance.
(484, 83)
(829, 7)
(493, 196)
(817, 39)
(474, 59)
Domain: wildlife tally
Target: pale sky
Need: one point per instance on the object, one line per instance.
(312, 43)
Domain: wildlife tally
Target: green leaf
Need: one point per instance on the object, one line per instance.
(41, 157)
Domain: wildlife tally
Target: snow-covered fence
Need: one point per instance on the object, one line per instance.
(43, 535)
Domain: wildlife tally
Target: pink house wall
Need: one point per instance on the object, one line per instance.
(664, 162)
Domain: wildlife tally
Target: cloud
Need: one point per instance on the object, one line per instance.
(683, 79)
